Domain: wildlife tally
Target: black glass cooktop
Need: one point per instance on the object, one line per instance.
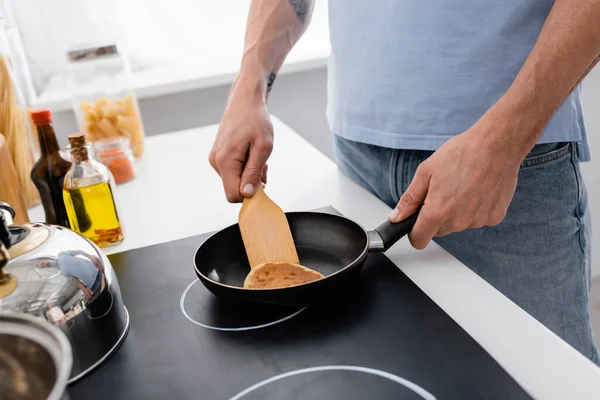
(382, 339)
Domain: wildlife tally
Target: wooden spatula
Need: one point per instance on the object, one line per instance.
(265, 231)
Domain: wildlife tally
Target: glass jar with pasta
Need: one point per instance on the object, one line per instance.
(99, 81)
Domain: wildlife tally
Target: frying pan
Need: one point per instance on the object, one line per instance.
(334, 245)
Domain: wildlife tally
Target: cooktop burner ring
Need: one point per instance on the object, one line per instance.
(394, 378)
(230, 329)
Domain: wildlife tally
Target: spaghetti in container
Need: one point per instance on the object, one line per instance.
(16, 125)
(116, 154)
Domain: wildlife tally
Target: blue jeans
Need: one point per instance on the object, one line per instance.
(539, 256)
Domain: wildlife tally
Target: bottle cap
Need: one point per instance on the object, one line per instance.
(76, 140)
(41, 117)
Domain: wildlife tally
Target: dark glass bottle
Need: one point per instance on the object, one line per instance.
(49, 171)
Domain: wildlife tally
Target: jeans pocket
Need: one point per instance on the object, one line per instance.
(582, 211)
(546, 153)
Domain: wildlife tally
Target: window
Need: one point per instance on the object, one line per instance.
(152, 33)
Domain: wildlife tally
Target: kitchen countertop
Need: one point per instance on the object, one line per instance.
(177, 194)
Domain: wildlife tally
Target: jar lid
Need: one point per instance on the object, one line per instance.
(111, 143)
(91, 51)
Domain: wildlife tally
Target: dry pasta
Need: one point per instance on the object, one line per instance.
(16, 127)
(107, 118)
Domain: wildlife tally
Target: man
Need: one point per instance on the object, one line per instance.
(86, 271)
(470, 108)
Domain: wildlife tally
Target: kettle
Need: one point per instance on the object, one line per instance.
(55, 274)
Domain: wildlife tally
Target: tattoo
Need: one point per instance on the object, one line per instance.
(270, 81)
(302, 8)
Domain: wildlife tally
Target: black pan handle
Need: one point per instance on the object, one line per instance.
(388, 233)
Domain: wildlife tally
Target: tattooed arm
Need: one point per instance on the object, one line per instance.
(274, 27)
(245, 138)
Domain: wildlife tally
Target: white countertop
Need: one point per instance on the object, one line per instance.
(177, 194)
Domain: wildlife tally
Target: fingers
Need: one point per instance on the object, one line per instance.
(264, 174)
(427, 226)
(428, 223)
(212, 160)
(231, 171)
(241, 162)
(228, 162)
(414, 196)
(255, 170)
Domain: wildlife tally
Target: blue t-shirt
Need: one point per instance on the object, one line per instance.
(411, 73)
(75, 266)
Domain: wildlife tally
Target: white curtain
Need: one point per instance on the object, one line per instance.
(152, 33)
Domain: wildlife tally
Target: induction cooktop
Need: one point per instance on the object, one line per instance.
(382, 338)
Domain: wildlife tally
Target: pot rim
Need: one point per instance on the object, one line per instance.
(50, 338)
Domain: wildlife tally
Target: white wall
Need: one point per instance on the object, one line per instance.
(299, 100)
(591, 109)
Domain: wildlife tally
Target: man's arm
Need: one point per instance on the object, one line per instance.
(566, 51)
(470, 181)
(274, 27)
(245, 138)
(93, 258)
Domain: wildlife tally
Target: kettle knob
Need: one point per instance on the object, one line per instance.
(8, 283)
(7, 213)
(8, 207)
(10, 234)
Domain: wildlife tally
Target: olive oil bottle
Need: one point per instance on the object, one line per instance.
(88, 191)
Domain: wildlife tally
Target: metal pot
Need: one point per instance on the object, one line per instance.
(55, 274)
(35, 359)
